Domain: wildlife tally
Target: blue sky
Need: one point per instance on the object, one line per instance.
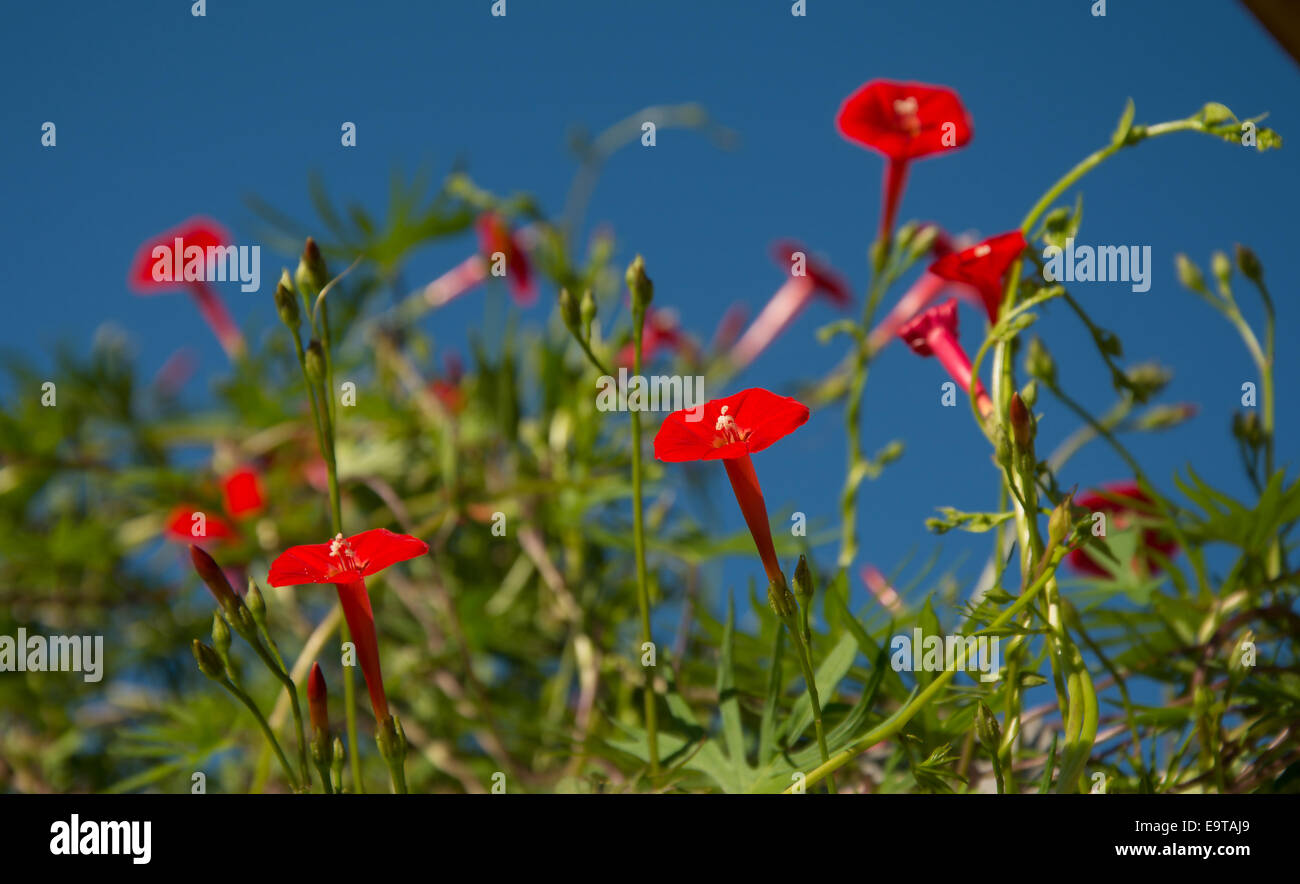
(162, 115)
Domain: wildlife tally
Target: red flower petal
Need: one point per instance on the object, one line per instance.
(243, 492)
(904, 121)
(494, 236)
(1082, 561)
(181, 525)
(753, 419)
(378, 548)
(201, 232)
(309, 563)
(824, 277)
(983, 266)
(916, 332)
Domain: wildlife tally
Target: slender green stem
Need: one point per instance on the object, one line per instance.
(266, 730)
(810, 682)
(274, 663)
(638, 533)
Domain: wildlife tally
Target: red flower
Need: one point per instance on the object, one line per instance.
(1125, 504)
(182, 526)
(730, 430)
(242, 490)
(660, 332)
(807, 279)
(346, 564)
(158, 253)
(934, 333)
(983, 266)
(922, 293)
(903, 121)
(493, 236)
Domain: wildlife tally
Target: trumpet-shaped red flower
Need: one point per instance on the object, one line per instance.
(1124, 504)
(983, 266)
(494, 236)
(903, 121)
(346, 563)
(922, 293)
(730, 430)
(242, 492)
(807, 279)
(203, 233)
(934, 333)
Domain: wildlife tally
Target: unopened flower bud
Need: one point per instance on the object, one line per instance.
(215, 579)
(642, 289)
(209, 663)
(1029, 393)
(1061, 522)
(1164, 417)
(286, 302)
(315, 358)
(1221, 267)
(803, 583)
(1002, 452)
(391, 740)
(318, 701)
(1189, 275)
(587, 313)
(569, 311)
(986, 727)
(1022, 423)
(1248, 264)
(256, 604)
(221, 637)
(1039, 363)
(311, 274)
(339, 756)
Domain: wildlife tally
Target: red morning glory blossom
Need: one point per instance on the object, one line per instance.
(494, 235)
(982, 266)
(730, 430)
(1124, 504)
(242, 492)
(807, 279)
(934, 333)
(903, 121)
(203, 233)
(346, 562)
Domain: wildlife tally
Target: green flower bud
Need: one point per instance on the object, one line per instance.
(256, 604)
(587, 313)
(1002, 452)
(311, 274)
(338, 756)
(1248, 264)
(1189, 275)
(1029, 393)
(1039, 363)
(803, 583)
(209, 663)
(986, 727)
(1221, 267)
(221, 637)
(569, 311)
(286, 302)
(642, 289)
(1061, 522)
(315, 359)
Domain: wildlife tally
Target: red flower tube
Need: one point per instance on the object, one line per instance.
(1124, 504)
(789, 300)
(203, 233)
(494, 235)
(904, 122)
(346, 563)
(730, 430)
(982, 266)
(934, 333)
